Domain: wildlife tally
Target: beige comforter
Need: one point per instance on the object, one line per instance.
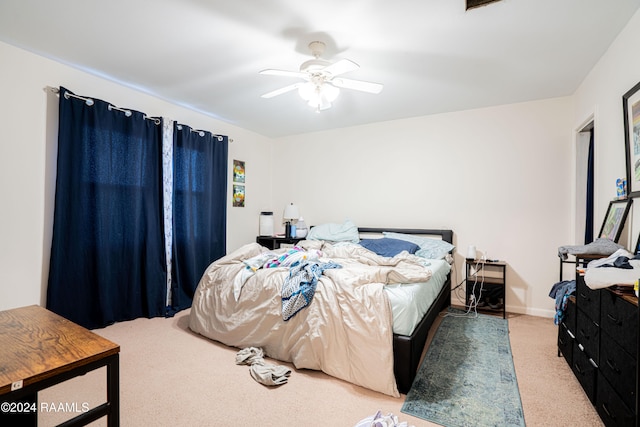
(346, 331)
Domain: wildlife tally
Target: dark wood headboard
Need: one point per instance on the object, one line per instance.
(446, 235)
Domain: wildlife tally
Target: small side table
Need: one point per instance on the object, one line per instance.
(489, 274)
(272, 242)
(39, 349)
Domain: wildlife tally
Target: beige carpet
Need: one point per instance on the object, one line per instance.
(171, 377)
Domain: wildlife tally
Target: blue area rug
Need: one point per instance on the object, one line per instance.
(467, 377)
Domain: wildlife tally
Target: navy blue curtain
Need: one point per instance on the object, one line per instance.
(199, 208)
(107, 256)
(588, 231)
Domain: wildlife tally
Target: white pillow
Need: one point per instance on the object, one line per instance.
(345, 232)
(430, 248)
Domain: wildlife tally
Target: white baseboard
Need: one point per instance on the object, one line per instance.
(539, 312)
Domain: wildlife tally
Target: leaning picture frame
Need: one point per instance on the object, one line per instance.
(614, 219)
(631, 115)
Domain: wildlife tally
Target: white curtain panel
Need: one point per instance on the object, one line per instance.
(167, 178)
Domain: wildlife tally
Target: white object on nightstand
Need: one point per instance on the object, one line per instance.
(301, 230)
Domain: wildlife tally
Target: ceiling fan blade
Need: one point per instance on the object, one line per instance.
(282, 90)
(357, 85)
(285, 73)
(341, 67)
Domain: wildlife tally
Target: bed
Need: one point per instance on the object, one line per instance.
(349, 329)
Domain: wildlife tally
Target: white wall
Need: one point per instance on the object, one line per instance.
(28, 164)
(600, 96)
(502, 178)
(498, 177)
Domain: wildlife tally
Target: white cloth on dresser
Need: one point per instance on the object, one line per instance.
(598, 277)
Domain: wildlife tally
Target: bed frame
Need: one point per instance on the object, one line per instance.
(407, 350)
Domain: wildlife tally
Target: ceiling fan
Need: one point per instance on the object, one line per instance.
(321, 84)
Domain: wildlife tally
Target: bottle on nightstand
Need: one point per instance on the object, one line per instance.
(302, 230)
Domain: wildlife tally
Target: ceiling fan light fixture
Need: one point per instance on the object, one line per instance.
(330, 92)
(307, 91)
(319, 104)
(321, 86)
(318, 96)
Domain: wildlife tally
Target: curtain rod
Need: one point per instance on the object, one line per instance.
(127, 113)
(90, 102)
(201, 132)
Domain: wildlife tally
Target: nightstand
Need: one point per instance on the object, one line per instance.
(492, 276)
(272, 242)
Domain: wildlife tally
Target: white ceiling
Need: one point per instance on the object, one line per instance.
(431, 55)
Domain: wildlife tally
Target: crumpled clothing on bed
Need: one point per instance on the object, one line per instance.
(300, 286)
(289, 258)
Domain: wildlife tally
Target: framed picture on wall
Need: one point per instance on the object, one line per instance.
(631, 113)
(614, 219)
(238, 171)
(238, 196)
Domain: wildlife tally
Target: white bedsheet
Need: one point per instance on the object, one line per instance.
(410, 301)
(346, 331)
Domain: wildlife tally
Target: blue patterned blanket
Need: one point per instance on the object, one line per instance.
(300, 285)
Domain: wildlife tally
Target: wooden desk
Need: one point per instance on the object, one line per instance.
(39, 349)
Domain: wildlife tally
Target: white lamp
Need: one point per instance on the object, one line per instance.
(291, 212)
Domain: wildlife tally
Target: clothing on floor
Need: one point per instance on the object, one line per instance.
(380, 420)
(261, 371)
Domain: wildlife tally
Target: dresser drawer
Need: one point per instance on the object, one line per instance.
(584, 369)
(588, 300)
(611, 408)
(565, 343)
(570, 314)
(620, 320)
(588, 335)
(619, 368)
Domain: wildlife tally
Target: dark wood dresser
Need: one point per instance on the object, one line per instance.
(598, 337)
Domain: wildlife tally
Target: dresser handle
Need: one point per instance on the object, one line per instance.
(582, 334)
(584, 296)
(613, 319)
(575, 365)
(613, 366)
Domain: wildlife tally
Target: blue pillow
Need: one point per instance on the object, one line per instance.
(389, 247)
